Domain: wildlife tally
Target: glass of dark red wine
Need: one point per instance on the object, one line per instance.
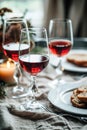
(34, 61)
(60, 39)
(11, 41)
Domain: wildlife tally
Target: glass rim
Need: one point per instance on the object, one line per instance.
(33, 29)
(60, 20)
(14, 19)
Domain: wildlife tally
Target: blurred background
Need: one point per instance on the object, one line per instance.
(39, 12)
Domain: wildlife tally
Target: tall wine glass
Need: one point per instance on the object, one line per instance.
(34, 61)
(60, 39)
(11, 41)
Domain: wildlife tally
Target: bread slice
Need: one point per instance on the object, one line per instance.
(82, 89)
(75, 100)
(75, 93)
(77, 103)
(83, 97)
(78, 59)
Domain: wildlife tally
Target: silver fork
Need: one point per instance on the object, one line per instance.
(47, 109)
(81, 118)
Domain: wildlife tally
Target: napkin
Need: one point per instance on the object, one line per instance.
(13, 119)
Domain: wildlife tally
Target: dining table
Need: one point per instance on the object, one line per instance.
(57, 112)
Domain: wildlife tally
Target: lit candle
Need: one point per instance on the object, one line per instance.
(7, 70)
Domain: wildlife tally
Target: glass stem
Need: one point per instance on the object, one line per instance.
(18, 75)
(34, 88)
(59, 67)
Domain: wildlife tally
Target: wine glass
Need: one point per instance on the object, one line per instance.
(60, 40)
(34, 61)
(11, 41)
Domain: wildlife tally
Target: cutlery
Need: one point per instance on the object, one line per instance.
(81, 118)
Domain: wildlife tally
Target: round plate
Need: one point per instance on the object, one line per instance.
(60, 97)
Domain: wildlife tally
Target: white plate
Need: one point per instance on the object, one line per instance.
(60, 97)
(71, 67)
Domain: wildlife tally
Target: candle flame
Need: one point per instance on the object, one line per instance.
(8, 63)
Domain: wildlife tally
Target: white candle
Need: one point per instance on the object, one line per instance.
(7, 70)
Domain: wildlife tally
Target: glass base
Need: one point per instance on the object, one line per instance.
(56, 82)
(58, 71)
(19, 92)
(31, 106)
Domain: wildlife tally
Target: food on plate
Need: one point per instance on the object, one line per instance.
(82, 89)
(79, 97)
(78, 59)
(83, 97)
(77, 103)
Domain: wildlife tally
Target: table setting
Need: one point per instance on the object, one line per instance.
(51, 116)
(38, 94)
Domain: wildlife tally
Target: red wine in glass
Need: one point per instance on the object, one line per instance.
(60, 47)
(33, 63)
(12, 50)
(10, 43)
